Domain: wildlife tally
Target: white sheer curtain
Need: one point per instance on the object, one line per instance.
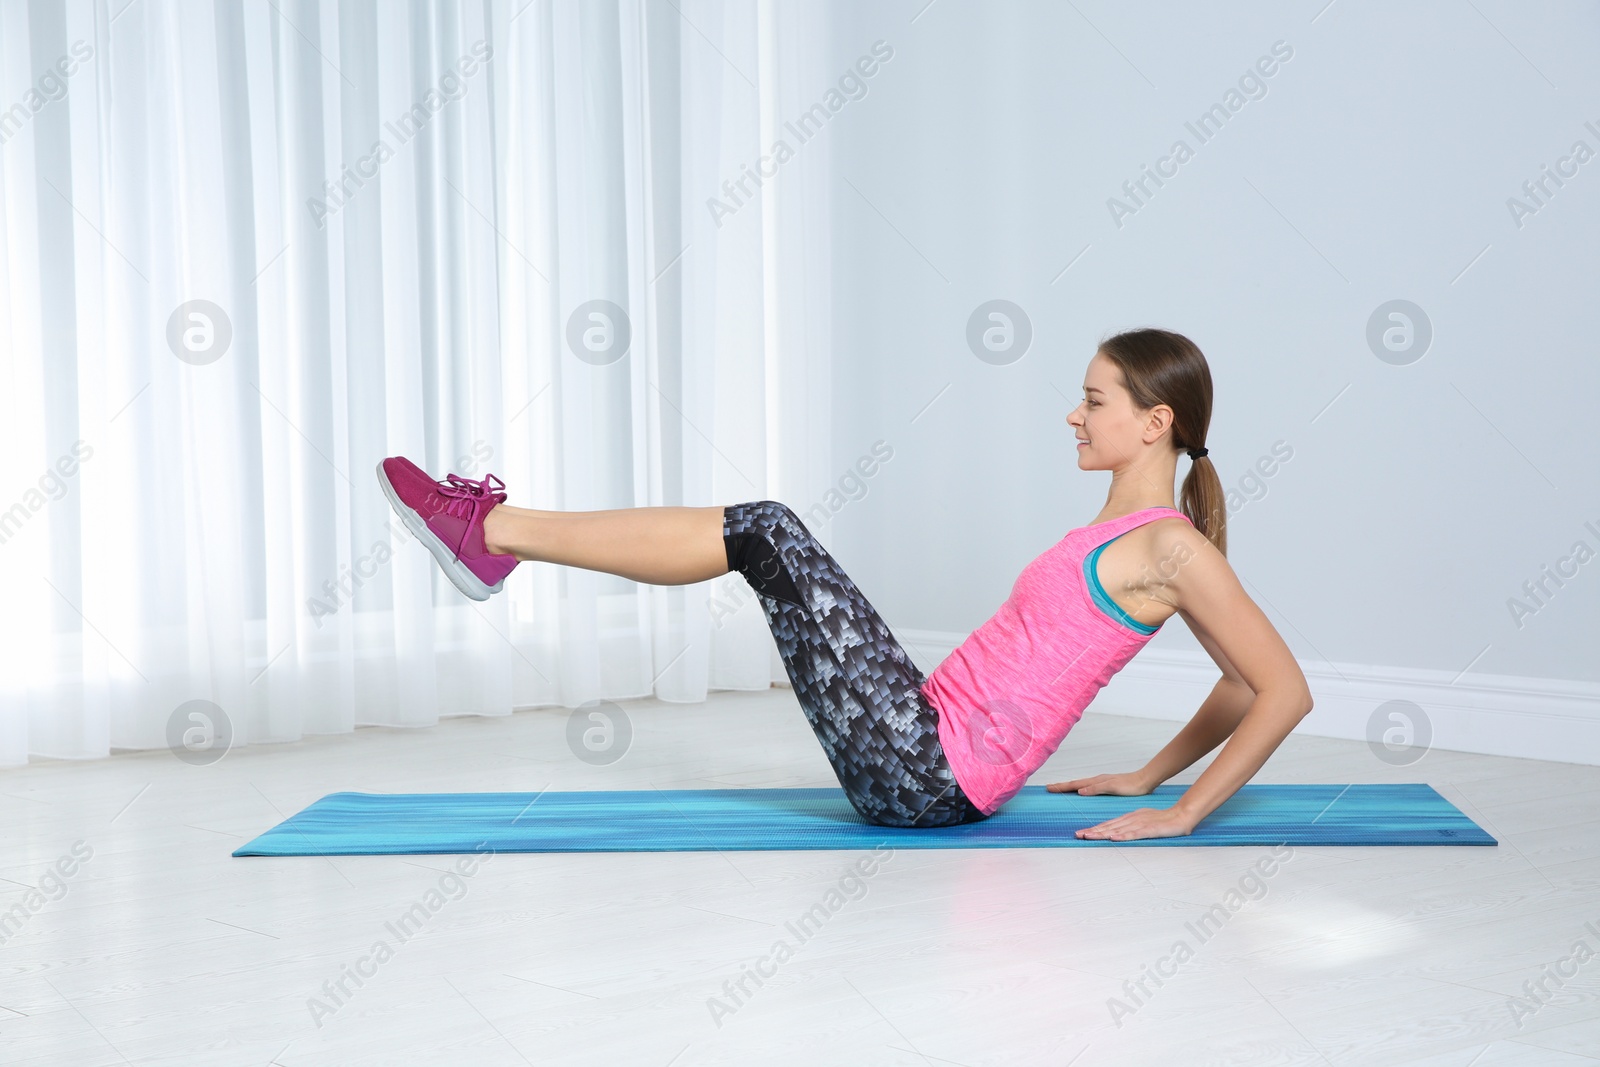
(394, 212)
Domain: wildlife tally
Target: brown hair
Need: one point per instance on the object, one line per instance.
(1161, 367)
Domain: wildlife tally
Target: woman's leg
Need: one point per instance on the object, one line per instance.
(858, 689)
(658, 545)
(856, 685)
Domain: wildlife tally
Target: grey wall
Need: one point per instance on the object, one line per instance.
(1377, 166)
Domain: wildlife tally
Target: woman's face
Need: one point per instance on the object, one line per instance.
(1109, 431)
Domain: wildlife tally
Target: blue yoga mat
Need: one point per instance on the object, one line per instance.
(748, 820)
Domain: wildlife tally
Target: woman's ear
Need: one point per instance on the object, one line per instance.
(1157, 423)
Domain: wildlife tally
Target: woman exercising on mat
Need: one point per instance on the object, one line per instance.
(953, 746)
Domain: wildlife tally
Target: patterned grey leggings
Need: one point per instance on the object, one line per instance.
(856, 685)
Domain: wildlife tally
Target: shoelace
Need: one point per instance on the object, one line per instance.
(466, 495)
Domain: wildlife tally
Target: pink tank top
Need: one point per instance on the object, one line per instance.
(1009, 693)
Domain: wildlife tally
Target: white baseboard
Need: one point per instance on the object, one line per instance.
(1490, 714)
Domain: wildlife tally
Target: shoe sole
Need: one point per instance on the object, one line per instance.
(459, 574)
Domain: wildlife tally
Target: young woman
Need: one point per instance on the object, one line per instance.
(953, 746)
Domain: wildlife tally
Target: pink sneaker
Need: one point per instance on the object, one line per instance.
(447, 517)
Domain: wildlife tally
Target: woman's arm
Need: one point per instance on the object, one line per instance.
(1217, 718)
(1213, 724)
(1253, 657)
(1268, 721)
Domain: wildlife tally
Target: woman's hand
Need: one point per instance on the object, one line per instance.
(1132, 784)
(1136, 824)
(1140, 823)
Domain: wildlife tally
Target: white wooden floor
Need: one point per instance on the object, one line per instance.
(162, 949)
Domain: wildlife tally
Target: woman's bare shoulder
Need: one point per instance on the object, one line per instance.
(1173, 537)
